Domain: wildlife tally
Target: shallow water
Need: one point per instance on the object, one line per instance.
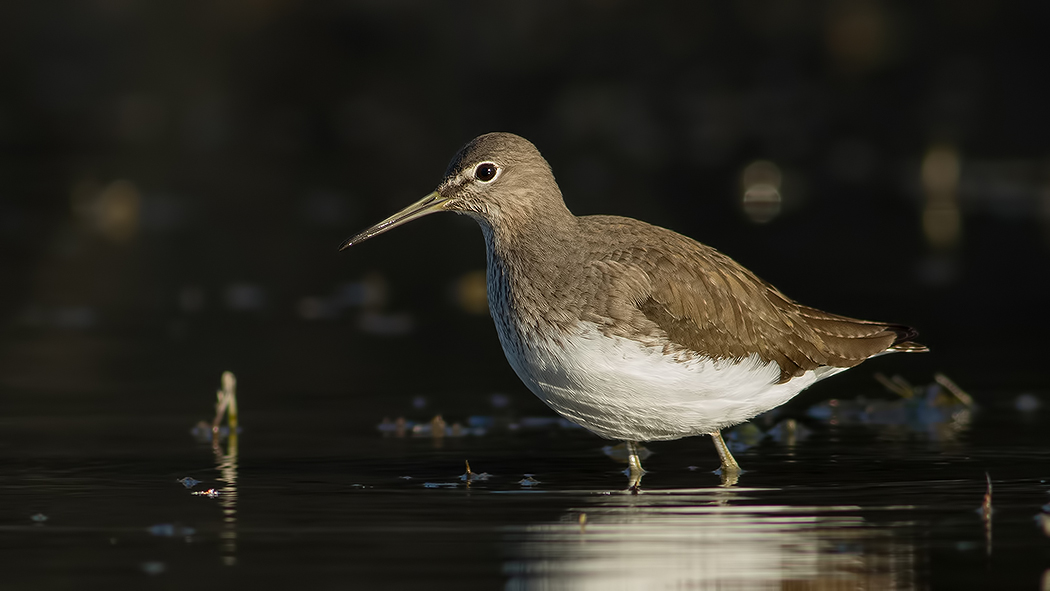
(321, 498)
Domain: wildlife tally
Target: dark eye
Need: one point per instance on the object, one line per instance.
(485, 172)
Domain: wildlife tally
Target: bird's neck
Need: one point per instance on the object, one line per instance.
(527, 227)
(528, 255)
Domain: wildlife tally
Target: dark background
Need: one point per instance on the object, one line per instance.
(175, 178)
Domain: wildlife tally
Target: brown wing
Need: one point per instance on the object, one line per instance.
(706, 302)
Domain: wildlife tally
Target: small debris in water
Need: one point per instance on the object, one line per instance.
(896, 384)
(954, 388)
(202, 432)
(189, 481)
(396, 428)
(225, 407)
(470, 476)
(38, 517)
(789, 432)
(440, 484)
(528, 481)
(424, 429)
(934, 398)
(434, 428)
(475, 425)
(405, 477)
(226, 403)
(170, 530)
(943, 418)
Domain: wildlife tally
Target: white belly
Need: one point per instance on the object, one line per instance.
(621, 389)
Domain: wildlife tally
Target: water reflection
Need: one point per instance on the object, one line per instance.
(225, 461)
(700, 540)
(226, 464)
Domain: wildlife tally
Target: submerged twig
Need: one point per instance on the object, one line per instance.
(226, 403)
(894, 385)
(904, 384)
(437, 427)
(470, 475)
(954, 388)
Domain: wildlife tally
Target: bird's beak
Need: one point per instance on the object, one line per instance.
(427, 205)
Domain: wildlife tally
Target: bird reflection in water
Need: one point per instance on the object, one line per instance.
(698, 540)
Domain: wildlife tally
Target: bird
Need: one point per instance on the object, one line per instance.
(633, 331)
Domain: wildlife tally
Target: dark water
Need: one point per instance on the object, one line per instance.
(316, 496)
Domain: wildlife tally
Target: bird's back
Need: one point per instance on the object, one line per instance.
(707, 303)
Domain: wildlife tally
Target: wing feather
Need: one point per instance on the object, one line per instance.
(706, 303)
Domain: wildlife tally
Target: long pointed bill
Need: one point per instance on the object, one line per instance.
(425, 206)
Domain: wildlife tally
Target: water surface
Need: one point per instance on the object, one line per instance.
(321, 498)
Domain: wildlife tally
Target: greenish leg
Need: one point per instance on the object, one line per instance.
(634, 466)
(729, 464)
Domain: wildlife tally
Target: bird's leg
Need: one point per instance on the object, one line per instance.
(634, 466)
(730, 470)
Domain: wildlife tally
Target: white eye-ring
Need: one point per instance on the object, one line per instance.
(486, 172)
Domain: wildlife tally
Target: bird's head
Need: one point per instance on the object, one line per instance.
(497, 178)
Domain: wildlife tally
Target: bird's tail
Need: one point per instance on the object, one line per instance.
(904, 343)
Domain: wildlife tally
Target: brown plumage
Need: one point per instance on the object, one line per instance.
(632, 330)
(708, 303)
(654, 285)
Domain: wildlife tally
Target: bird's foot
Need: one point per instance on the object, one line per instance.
(729, 474)
(634, 480)
(634, 468)
(730, 470)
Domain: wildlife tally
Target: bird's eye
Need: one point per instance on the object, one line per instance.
(485, 172)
